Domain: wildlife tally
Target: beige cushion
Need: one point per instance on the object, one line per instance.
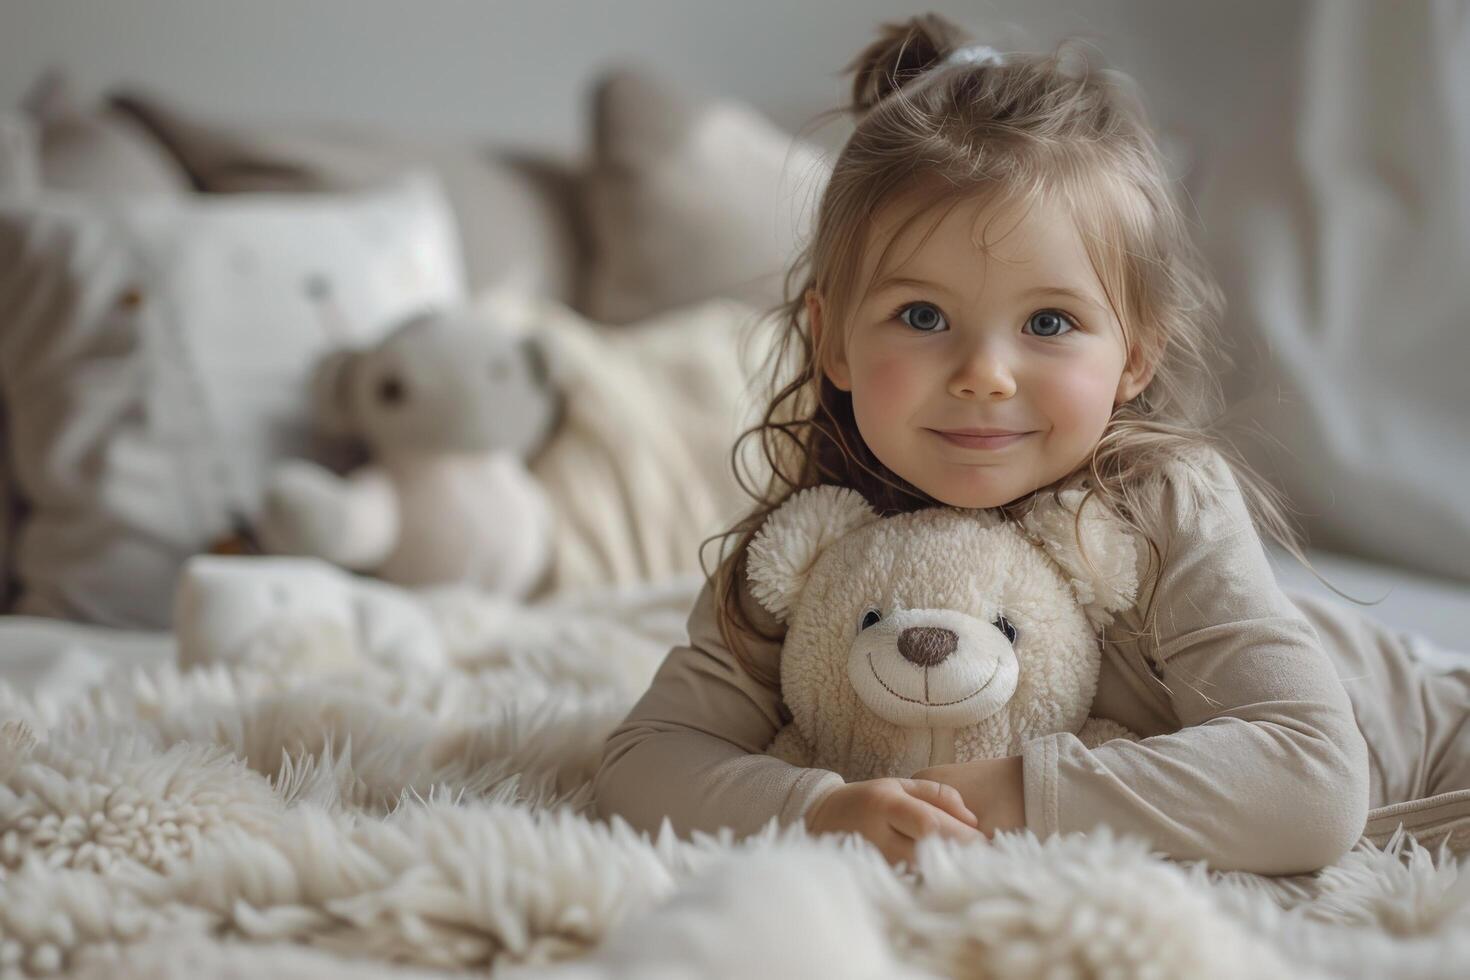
(96, 150)
(517, 216)
(689, 200)
(20, 177)
(154, 358)
(639, 471)
(20, 165)
(1340, 226)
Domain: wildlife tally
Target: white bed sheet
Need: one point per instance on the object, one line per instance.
(1438, 609)
(51, 658)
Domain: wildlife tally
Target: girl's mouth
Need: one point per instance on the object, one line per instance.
(980, 442)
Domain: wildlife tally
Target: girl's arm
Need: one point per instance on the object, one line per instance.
(1269, 772)
(691, 748)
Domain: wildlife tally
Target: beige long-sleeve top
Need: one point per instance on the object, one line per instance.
(1250, 758)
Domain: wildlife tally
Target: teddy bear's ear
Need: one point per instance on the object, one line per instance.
(543, 359)
(1106, 580)
(331, 393)
(786, 547)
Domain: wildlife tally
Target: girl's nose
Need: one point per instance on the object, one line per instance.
(982, 373)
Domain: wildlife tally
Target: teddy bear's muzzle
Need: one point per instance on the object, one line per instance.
(933, 668)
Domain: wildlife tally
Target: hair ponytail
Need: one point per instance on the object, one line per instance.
(902, 53)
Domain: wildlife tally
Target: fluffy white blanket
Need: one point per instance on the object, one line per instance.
(238, 821)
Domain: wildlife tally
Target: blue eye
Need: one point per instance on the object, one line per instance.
(926, 316)
(1049, 323)
(1004, 625)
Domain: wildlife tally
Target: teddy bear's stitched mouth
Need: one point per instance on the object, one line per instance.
(929, 704)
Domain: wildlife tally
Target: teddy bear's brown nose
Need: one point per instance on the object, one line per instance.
(926, 645)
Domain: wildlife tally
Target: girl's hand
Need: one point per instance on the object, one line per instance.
(893, 814)
(993, 789)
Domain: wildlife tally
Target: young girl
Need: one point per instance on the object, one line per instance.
(1001, 300)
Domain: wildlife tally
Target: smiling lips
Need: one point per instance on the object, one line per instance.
(928, 704)
(980, 438)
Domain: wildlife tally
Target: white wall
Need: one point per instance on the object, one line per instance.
(518, 72)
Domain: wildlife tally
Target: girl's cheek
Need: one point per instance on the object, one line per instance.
(890, 379)
(1080, 393)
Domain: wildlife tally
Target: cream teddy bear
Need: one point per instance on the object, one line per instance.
(450, 408)
(938, 636)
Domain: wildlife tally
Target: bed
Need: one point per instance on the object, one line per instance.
(261, 814)
(166, 817)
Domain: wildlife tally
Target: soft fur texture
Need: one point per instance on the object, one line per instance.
(937, 636)
(639, 470)
(240, 821)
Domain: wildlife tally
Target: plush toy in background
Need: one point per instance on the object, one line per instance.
(449, 408)
(938, 636)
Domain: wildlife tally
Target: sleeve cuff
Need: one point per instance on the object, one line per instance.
(1039, 781)
(813, 785)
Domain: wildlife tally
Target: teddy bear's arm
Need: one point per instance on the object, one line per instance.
(789, 746)
(310, 511)
(1096, 731)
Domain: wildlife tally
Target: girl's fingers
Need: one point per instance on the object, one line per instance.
(914, 819)
(898, 848)
(941, 795)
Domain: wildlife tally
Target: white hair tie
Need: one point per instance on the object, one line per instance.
(970, 54)
(973, 54)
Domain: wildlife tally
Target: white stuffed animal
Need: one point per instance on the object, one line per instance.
(449, 408)
(938, 636)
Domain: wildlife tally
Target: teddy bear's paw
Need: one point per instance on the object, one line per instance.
(1096, 731)
(304, 512)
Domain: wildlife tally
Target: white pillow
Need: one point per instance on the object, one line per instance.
(155, 355)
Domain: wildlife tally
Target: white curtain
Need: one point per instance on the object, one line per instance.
(1339, 223)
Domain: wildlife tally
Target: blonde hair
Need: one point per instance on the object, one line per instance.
(942, 132)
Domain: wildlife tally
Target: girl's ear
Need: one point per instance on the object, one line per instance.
(1110, 582)
(782, 553)
(1137, 373)
(832, 358)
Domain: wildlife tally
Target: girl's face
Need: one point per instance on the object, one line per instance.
(956, 342)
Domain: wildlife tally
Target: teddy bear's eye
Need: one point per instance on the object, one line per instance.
(1004, 625)
(870, 618)
(391, 390)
